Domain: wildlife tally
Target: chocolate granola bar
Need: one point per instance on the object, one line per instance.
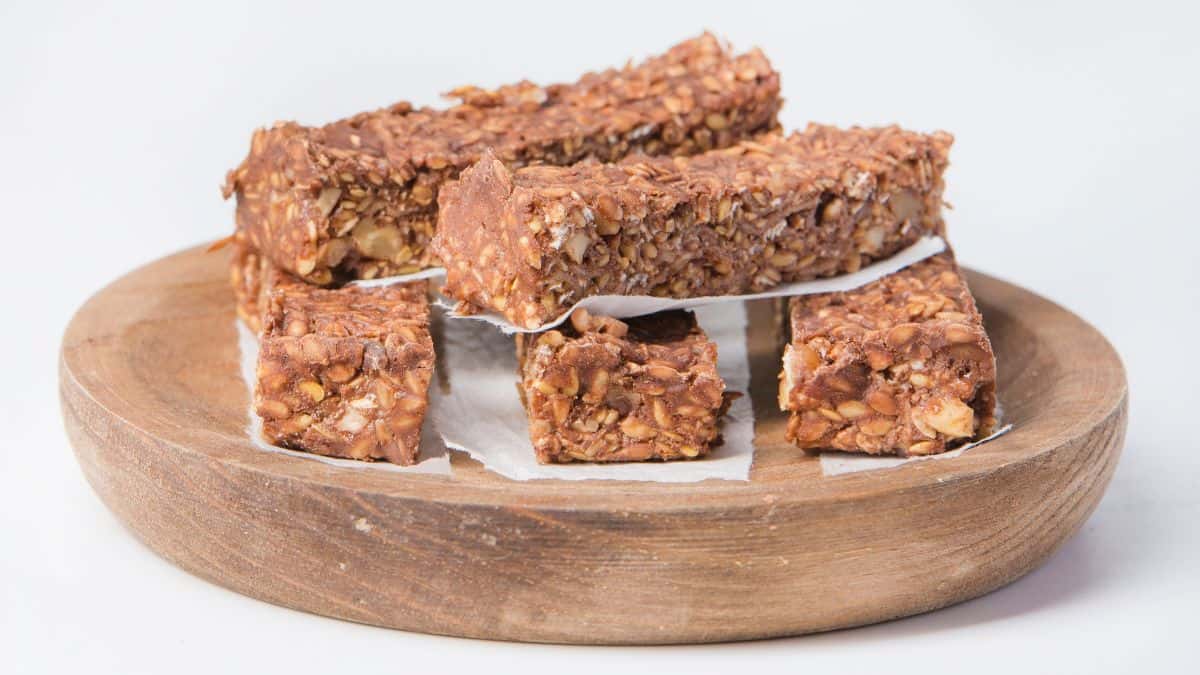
(530, 243)
(246, 271)
(357, 198)
(341, 372)
(603, 390)
(900, 366)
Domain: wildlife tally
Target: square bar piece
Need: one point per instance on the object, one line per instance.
(530, 243)
(357, 198)
(603, 390)
(901, 366)
(341, 372)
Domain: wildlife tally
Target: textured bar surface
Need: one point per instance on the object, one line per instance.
(603, 390)
(357, 198)
(341, 372)
(246, 271)
(900, 366)
(532, 242)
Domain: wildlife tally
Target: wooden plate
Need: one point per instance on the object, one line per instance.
(156, 410)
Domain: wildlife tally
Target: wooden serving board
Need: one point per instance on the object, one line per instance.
(156, 410)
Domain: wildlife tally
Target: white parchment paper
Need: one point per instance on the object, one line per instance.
(434, 459)
(482, 414)
(431, 273)
(837, 463)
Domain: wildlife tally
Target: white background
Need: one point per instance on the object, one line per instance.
(1075, 174)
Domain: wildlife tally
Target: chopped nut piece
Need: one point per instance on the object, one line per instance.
(649, 390)
(301, 186)
(576, 246)
(736, 220)
(936, 389)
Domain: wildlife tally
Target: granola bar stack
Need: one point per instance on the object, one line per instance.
(343, 369)
(667, 178)
(901, 366)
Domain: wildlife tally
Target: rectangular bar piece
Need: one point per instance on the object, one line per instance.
(341, 372)
(603, 390)
(357, 198)
(900, 366)
(532, 242)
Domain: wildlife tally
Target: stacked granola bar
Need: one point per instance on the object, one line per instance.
(668, 178)
(530, 243)
(357, 198)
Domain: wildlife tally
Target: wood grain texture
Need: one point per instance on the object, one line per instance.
(155, 408)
